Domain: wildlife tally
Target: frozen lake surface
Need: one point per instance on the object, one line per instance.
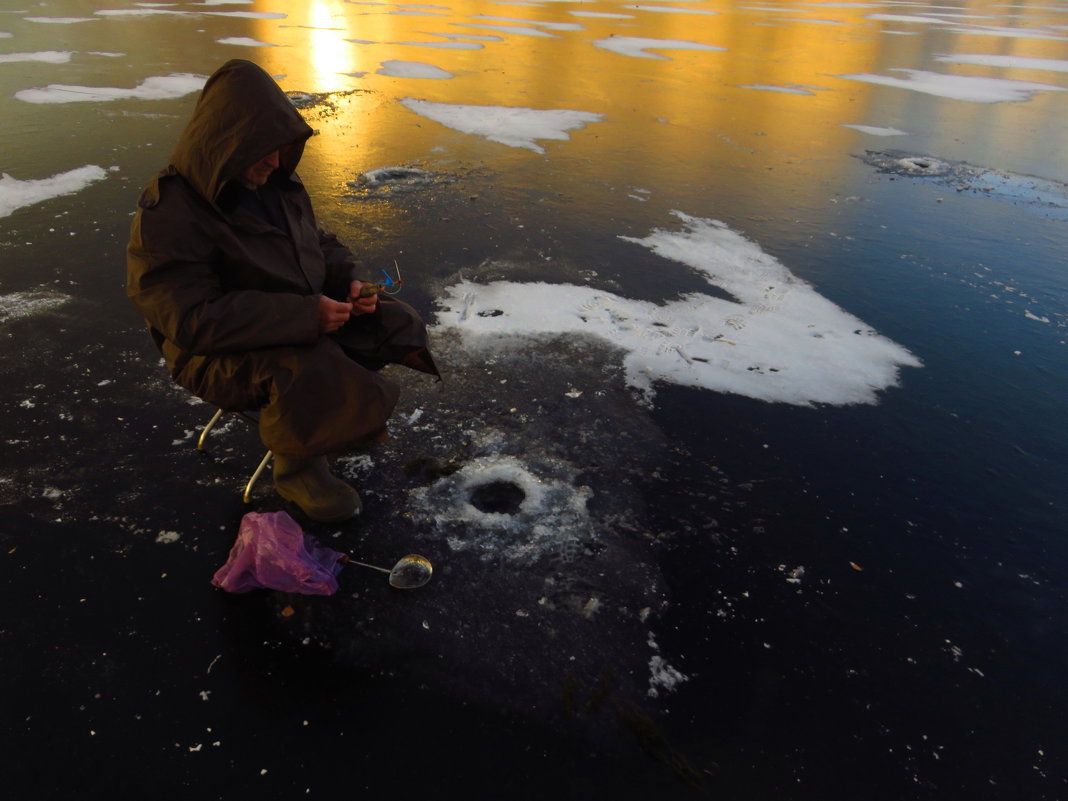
(746, 479)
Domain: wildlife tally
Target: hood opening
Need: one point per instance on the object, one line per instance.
(241, 116)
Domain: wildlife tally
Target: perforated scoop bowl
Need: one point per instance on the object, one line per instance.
(411, 571)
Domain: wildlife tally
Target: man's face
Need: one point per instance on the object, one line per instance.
(259, 172)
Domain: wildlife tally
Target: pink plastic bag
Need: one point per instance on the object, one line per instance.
(273, 552)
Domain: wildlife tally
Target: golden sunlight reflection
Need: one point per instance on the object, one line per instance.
(329, 53)
(769, 100)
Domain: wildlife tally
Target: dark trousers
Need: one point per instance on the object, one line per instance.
(322, 398)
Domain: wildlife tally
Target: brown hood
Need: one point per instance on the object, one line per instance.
(241, 116)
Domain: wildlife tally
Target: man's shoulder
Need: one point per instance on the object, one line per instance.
(171, 216)
(167, 189)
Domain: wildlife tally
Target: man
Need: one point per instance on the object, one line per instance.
(252, 304)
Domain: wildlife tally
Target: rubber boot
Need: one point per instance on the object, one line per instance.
(320, 494)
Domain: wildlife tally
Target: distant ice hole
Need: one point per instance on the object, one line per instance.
(394, 175)
(923, 165)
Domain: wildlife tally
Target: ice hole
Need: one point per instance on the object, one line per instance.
(498, 497)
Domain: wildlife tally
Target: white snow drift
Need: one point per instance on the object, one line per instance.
(776, 340)
(512, 126)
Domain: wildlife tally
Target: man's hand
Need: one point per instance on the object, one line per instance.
(361, 305)
(332, 314)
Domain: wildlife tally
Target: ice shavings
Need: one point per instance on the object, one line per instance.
(777, 340)
(874, 130)
(19, 305)
(638, 46)
(551, 508)
(959, 87)
(662, 676)
(43, 56)
(15, 194)
(411, 69)
(1011, 62)
(512, 126)
(159, 87)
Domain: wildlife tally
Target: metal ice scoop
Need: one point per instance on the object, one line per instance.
(411, 571)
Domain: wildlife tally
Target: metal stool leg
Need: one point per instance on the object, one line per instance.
(207, 428)
(255, 476)
(263, 462)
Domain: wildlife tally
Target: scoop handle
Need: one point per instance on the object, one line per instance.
(348, 560)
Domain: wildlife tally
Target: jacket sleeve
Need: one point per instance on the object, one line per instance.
(172, 281)
(342, 267)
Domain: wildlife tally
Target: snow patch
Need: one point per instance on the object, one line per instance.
(516, 30)
(60, 20)
(777, 339)
(412, 69)
(959, 87)
(876, 131)
(159, 87)
(512, 126)
(44, 56)
(790, 90)
(673, 10)
(244, 41)
(638, 46)
(19, 305)
(15, 194)
(1011, 62)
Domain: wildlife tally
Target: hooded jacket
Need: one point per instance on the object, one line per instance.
(210, 276)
